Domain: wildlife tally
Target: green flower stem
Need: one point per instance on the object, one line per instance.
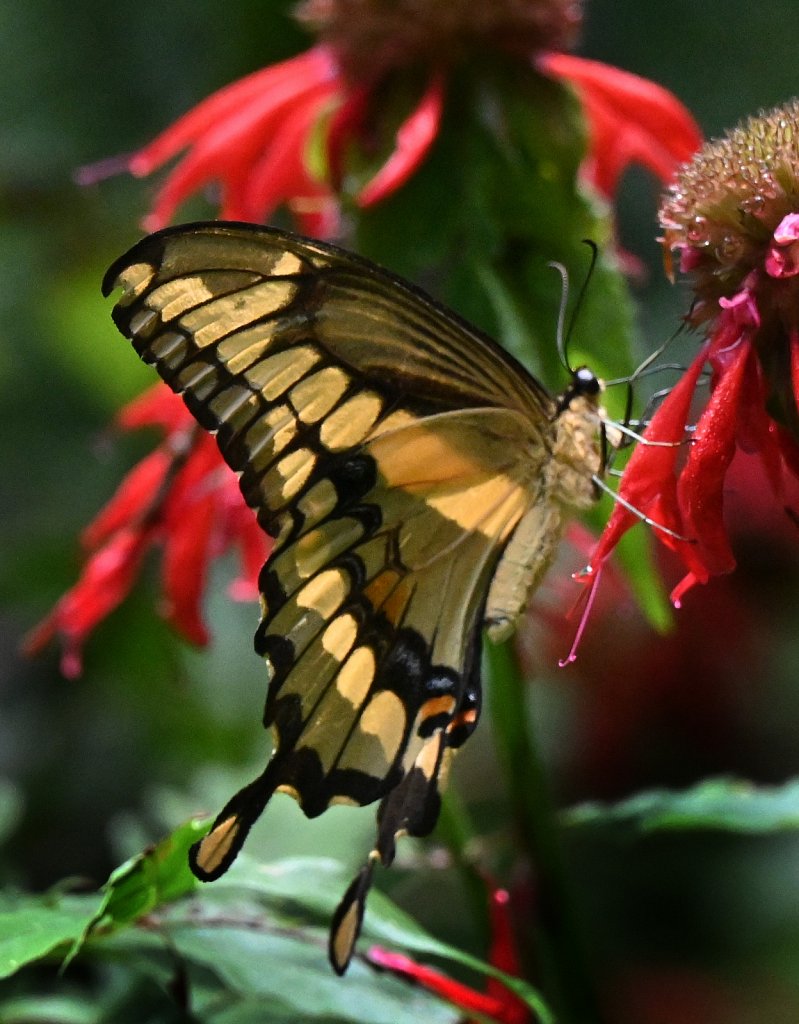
(456, 829)
(567, 979)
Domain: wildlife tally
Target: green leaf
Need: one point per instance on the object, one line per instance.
(158, 875)
(315, 885)
(730, 805)
(31, 927)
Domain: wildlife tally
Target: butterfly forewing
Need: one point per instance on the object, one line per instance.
(391, 450)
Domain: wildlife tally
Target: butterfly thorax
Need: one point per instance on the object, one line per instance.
(565, 484)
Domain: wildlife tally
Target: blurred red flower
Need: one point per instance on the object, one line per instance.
(180, 497)
(498, 1003)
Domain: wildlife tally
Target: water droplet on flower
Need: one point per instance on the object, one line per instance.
(697, 231)
(753, 205)
(730, 248)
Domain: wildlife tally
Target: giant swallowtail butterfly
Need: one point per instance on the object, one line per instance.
(414, 478)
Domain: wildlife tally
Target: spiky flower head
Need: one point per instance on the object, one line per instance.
(733, 210)
(372, 37)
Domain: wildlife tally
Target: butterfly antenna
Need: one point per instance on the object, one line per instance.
(565, 332)
(560, 334)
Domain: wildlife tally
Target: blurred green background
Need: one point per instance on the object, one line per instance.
(154, 731)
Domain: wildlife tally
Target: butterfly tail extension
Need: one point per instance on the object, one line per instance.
(410, 809)
(214, 853)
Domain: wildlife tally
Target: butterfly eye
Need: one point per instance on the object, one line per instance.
(585, 382)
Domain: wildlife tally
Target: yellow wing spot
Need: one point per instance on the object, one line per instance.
(134, 280)
(286, 263)
(384, 718)
(183, 293)
(269, 435)
(318, 502)
(325, 593)
(170, 347)
(351, 422)
(314, 550)
(243, 348)
(316, 395)
(356, 675)
(397, 420)
(342, 943)
(277, 373)
(287, 477)
(340, 800)
(214, 320)
(339, 636)
(289, 790)
(427, 761)
(216, 846)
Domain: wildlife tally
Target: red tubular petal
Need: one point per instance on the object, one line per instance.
(282, 173)
(414, 139)
(649, 476)
(158, 406)
(289, 76)
(631, 119)
(700, 487)
(130, 502)
(187, 551)
(455, 992)
(190, 514)
(105, 581)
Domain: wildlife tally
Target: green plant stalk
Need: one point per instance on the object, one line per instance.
(567, 980)
(456, 829)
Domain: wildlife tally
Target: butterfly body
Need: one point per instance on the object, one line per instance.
(415, 480)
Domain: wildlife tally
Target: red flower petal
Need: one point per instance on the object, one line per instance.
(631, 119)
(132, 499)
(455, 992)
(277, 83)
(158, 406)
(700, 487)
(189, 522)
(649, 482)
(105, 581)
(414, 138)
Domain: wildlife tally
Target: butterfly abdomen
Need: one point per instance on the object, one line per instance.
(565, 485)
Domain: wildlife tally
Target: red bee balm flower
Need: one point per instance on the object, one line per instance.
(181, 496)
(732, 216)
(255, 137)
